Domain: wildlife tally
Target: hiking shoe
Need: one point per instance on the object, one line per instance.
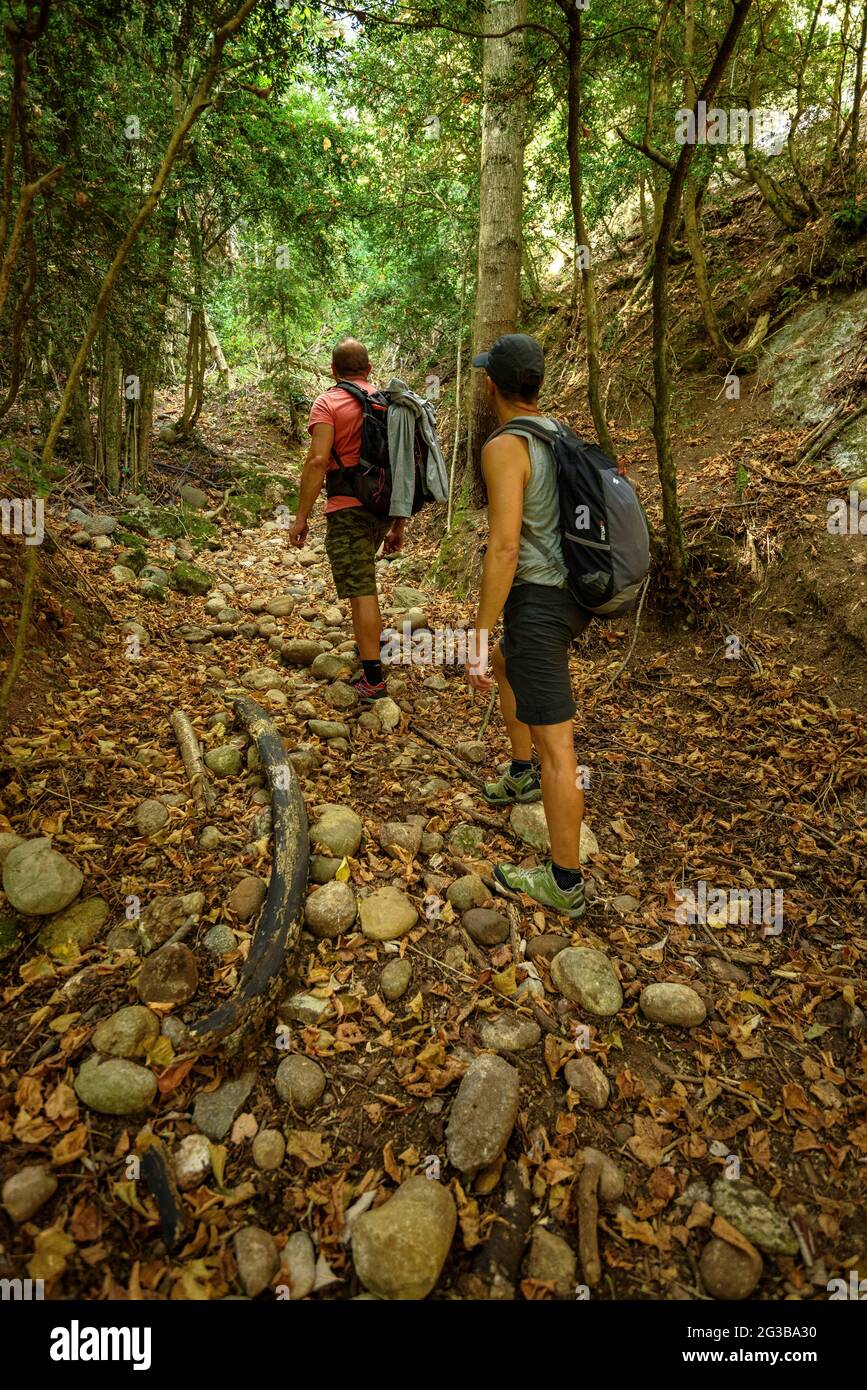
(369, 693)
(507, 788)
(541, 885)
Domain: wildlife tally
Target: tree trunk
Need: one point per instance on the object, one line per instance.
(197, 339)
(82, 428)
(856, 105)
(691, 215)
(109, 416)
(582, 247)
(198, 103)
(662, 310)
(832, 149)
(223, 368)
(168, 220)
(144, 430)
(791, 214)
(784, 211)
(642, 206)
(458, 383)
(702, 281)
(195, 373)
(797, 167)
(501, 190)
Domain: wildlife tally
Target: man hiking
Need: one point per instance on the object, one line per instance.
(524, 577)
(353, 534)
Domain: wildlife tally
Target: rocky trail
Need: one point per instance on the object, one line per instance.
(451, 1092)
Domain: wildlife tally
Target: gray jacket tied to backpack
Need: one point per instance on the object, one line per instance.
(406, 409)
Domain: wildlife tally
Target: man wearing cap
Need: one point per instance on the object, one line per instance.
(524, 579)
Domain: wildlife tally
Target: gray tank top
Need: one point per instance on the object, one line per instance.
(540, 560)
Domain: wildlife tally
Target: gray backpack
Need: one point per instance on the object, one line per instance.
(603, 529)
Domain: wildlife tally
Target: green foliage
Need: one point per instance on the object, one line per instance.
(36, 481)
(742, 479)
(332, 184)
(851, 218)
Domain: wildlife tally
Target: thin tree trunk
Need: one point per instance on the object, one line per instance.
(833, 148)
(21, 39)
(144, 429)
(642, 206)
(791, 214)
(79, 414)
(856, 106)
(168, 219)
(501, 189)
(588, 283)
(691, 224)
(198, 103)
(458, 383)
(662, 309)
(109, 420)
(25, 200)
(16, 346)
(21, 36)
(794, 157)
(223, 368)
(702, 279)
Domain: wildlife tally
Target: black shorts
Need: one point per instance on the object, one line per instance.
(540, 624)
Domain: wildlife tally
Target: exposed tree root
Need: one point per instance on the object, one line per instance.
(279, 928)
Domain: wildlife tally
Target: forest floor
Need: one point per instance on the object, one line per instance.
(745, 773)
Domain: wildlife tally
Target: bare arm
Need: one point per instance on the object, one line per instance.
(506, 468)
(312, 478)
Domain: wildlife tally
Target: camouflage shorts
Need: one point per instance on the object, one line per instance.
(352, 538)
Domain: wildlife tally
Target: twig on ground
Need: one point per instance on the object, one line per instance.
(588, 1216)
(488, 712)
(203, 793)
(835, 426)
(447, 753)
(625, 662)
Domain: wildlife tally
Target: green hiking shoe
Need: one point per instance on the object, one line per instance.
(541, 885)
(507, 788)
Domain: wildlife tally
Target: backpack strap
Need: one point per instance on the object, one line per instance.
(361, 397)
(353, 389)
(526, 425)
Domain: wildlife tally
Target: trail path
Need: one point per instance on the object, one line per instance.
(697, 772)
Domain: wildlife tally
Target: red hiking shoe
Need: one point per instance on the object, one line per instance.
(369, 693)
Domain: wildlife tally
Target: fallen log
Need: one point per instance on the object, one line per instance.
(279, 927)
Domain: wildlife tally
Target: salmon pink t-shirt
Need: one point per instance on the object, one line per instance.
(341, 410)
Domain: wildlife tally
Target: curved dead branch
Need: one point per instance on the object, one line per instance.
(279, 927)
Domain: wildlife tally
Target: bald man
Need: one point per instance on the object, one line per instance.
(353, 535)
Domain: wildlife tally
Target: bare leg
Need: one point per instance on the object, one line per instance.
(519, 734)
(367, 625)
(562, 798)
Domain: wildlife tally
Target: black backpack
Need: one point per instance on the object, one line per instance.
(370, 479)
(603, 529)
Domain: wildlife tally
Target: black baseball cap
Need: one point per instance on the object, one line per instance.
(514, 362)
